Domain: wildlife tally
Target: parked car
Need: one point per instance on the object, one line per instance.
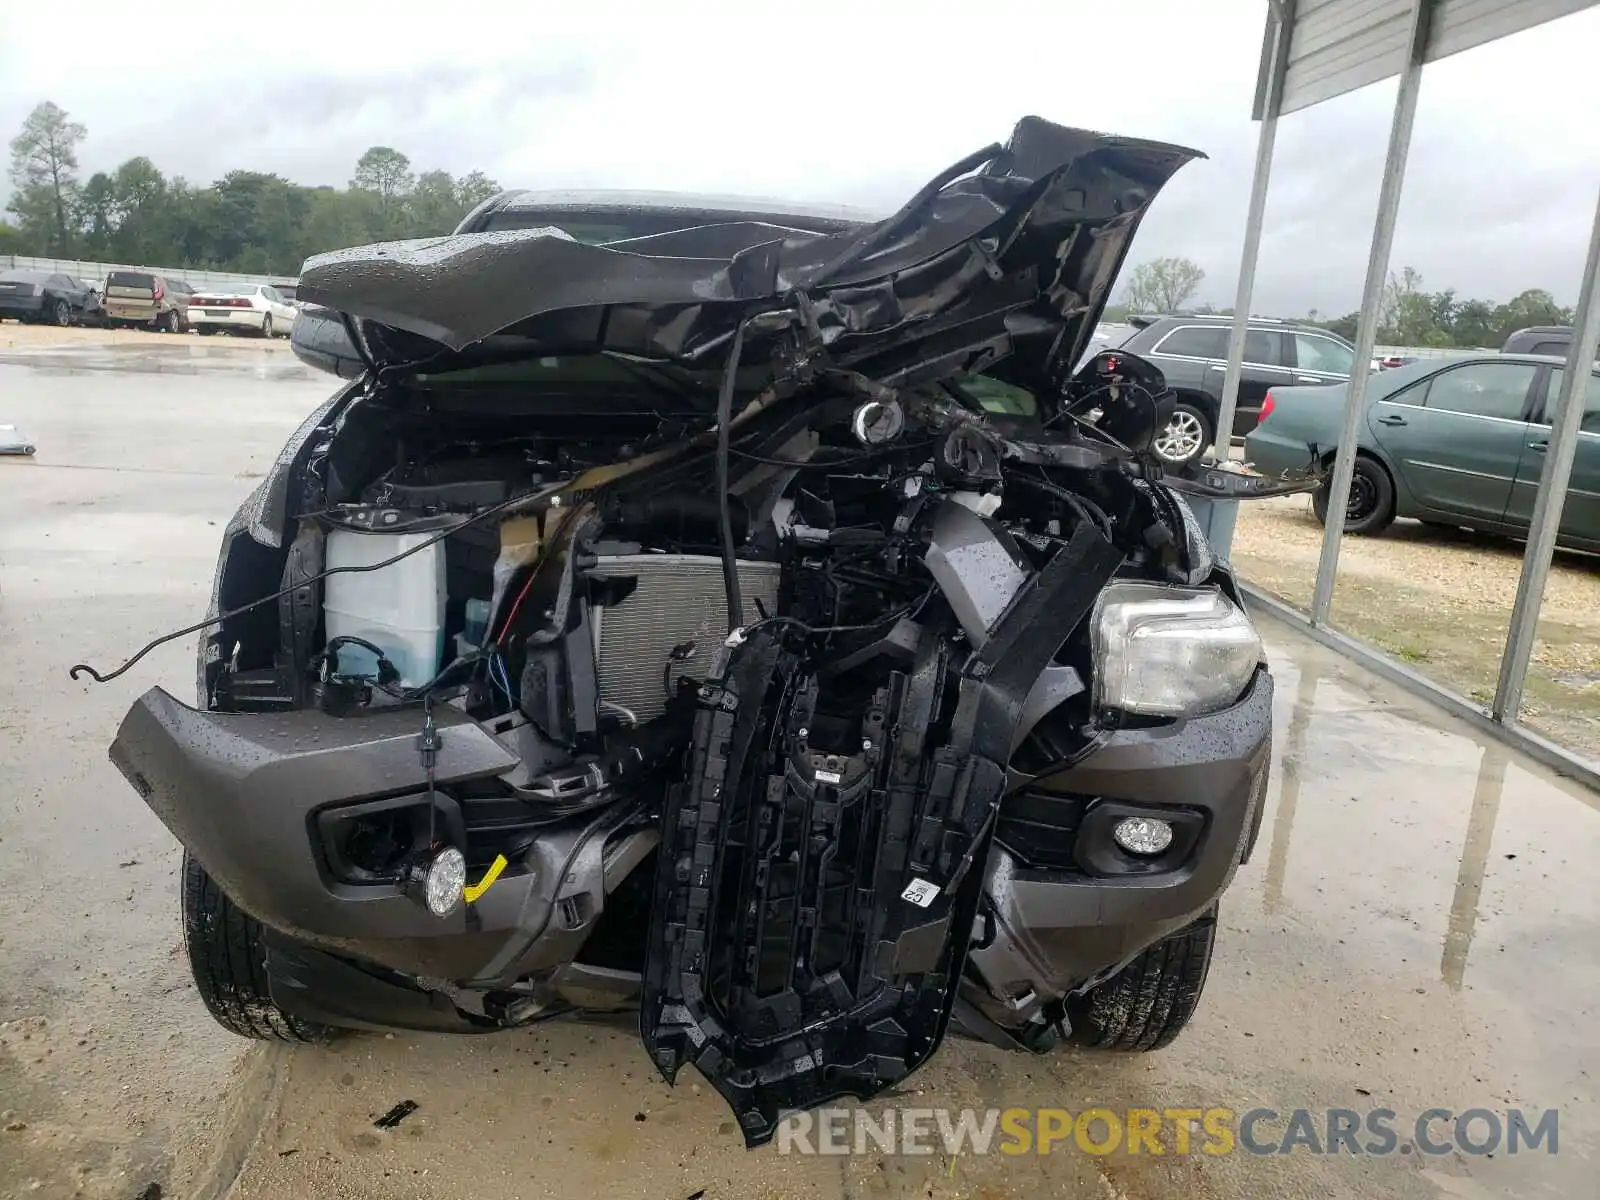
(144, 298)
(42, 297)
(1388, 362)
(1192, 352)
(288, 292)
(807, 820)
(258, 310)
(1540, 339)
(13, 443)
(1458, 443)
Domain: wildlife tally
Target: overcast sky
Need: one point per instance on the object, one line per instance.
(850, 102)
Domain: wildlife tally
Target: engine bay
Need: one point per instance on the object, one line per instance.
(584, 609)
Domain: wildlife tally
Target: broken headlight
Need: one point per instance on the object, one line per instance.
(1170, 651)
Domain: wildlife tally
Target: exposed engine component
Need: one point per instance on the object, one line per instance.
(877, 422)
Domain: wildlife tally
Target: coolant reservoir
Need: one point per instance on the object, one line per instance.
(399, 608)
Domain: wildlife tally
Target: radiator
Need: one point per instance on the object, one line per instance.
(680, 598)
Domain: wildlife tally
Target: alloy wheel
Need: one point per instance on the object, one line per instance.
(1181, 439)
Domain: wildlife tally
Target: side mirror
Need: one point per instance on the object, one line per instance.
(320, 340)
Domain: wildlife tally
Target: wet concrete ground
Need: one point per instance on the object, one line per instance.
(109, 1067)
(1418, 928)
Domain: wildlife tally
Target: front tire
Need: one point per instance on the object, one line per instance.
(229, 964)
(1370, 509)
(1146, 1005)
(1185, 436)
(61, 313)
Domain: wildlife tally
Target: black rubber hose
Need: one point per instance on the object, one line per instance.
(1081, 505)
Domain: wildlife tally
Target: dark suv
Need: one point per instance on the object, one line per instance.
(1192, 352)
(1540, 339)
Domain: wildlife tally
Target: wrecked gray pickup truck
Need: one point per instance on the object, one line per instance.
(748, 618)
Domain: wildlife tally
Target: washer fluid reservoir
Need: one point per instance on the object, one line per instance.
(399, 608)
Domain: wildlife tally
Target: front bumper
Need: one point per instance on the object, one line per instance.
(1067, 925)
(242, 793)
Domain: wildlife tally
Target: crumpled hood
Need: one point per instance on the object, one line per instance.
(1008, 255)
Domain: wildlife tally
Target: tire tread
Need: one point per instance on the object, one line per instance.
(229, 964)
(1146, 1005)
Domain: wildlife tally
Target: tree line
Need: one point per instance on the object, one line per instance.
(1407, 315)
(1410, 316)
(249, 221)
(264, 224)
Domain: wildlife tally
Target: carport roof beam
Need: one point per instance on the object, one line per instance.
(1554, 480)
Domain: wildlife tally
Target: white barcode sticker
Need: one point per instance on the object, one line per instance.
(829, 776)
(920, 892)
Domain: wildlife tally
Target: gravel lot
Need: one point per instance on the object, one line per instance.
(1442, 602)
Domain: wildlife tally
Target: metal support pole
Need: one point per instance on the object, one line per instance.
(1276, 61)
(1553, 482)
(1394, 174)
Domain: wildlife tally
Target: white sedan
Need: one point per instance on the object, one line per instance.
(259, 310)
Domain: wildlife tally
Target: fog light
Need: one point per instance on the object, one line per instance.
(446, 877)
(1141, 835)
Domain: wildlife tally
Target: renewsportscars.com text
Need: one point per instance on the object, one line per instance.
(1213, 1131)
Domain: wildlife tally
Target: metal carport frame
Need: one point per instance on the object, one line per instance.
(1314, 50)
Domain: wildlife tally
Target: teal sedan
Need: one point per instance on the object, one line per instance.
(1452, 442)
